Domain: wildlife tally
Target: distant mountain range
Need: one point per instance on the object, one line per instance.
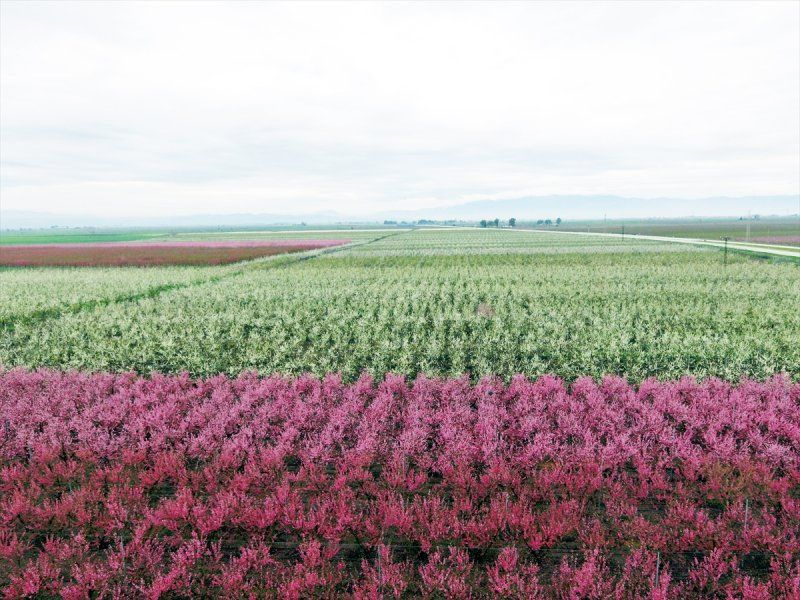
(533, 207)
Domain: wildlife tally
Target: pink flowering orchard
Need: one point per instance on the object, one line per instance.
(142, 254)
(118, 485)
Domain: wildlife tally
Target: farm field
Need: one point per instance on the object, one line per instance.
(8, 238)
(47, 292)
(95, 235)
(399, 300)
(297, 488)
(766, 230)
(28, 293)
(440, 302)
(436, 413)
(151, 253)
(354, 235)
(754, 249)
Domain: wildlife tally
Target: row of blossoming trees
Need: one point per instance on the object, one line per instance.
(120, 485)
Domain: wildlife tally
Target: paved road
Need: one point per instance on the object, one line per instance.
(750, 247)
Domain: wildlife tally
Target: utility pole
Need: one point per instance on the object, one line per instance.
(725, 261)
(623, 232)
(747, 236)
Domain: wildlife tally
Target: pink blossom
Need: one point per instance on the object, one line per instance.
(112, 484)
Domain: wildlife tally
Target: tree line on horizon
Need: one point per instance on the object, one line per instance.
(513, 222)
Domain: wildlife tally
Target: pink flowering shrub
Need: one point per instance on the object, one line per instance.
(167, 486)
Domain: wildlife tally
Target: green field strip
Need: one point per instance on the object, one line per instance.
(11, 239)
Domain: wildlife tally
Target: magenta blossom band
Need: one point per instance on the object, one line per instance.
(292, 488)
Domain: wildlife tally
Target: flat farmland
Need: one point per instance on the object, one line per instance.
(439, 302)
(22, 237)
(765, 230)
(296, 488)
(144, 254)
(436, 413)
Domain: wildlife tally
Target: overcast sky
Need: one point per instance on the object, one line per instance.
(157, 108)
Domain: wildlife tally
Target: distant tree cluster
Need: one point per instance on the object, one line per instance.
(548, 221)
(496, 222)
(512, 222)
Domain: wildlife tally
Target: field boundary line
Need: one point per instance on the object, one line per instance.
(277, 262)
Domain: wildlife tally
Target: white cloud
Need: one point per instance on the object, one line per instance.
(176, 108)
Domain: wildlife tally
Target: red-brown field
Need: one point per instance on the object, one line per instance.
(150, 254)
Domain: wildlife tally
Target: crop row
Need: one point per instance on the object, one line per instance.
(262, 487)
(582, 312)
